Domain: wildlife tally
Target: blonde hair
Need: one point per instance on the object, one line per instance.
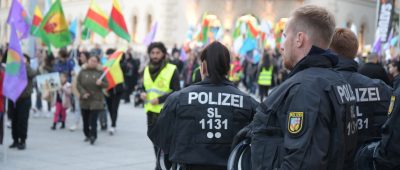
(317, 22)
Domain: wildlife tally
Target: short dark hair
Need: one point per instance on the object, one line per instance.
(396, 63)
(63, 53)
(86, 54)
(109, 51)
(218, 60)
(94, 56)
(158, 45)
(344, 43)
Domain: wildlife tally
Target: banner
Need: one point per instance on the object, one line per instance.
(385, 15)
(49, 82)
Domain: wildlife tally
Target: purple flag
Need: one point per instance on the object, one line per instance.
(15, 78)
(377, 46)
(19, 18)
(151, 35)
(183, 55)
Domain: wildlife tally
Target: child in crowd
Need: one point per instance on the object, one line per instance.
(63, 101)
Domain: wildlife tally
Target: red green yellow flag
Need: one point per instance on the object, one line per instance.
(55, 27)
(96, 20)
(204, 28)
(117, 22)
(37, 19)
(112, 69)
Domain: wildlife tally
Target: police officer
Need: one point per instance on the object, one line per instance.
(387, 154)
(265, 76)
(372, 95)
(303, 124)
(198, 123)
(160, 79)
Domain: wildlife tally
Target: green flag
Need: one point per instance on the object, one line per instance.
(85, 33)
(55, 28)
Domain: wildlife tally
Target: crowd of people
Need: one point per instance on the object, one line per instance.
(322, 105)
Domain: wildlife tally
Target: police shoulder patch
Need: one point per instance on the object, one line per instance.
(295, 122)
(391, 106)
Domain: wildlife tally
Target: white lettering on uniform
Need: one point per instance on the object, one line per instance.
(345, 92)
(210, 99)
(226, 97)
(204, 100)
(192, 96)
(223, 99)
(368, 94)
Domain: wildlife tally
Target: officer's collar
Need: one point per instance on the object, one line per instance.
(207, 80)
(346, 64)
(317, 57)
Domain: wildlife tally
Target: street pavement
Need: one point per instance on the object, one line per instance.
(129, 148)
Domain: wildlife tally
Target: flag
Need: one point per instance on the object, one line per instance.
(73, 28)
(151, 35)
(183, 55)
(377, 46)
(15, 78)
(19, 18)
(117, 22)
(112, 69)
(54, 27)
(249, 44)
(36, 20)
(96, 20)
(85, 34)
(204, 29)
(252, 31)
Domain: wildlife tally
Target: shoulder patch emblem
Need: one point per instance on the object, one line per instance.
(295, 122)
(392, 100)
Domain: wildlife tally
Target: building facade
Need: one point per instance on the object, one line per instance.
(175, 17)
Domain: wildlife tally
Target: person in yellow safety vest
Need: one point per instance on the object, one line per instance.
(160, 79)
(265, 78)
(235, 71)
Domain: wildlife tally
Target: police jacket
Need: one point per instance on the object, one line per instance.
(396, 82)
(197, 124)
(306, 123)
(372, 97)
(387, 154)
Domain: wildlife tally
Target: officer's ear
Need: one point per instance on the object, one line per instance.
(300, 39)
(203, 70)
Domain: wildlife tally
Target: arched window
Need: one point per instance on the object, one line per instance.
(149, 22)
(134, 27)
(361, 36)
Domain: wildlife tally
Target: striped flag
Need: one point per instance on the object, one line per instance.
(15, 78)
(37, 19)
(96, 20)
(112, 69)
(117, 22)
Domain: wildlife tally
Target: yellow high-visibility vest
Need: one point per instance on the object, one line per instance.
(158, 87)
(232, 75)
(265, 77)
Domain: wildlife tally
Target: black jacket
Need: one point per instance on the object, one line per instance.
(387, 154)
(396, 82)
(303, 123)
(373, 98)
(374, 71)
(198, 123)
